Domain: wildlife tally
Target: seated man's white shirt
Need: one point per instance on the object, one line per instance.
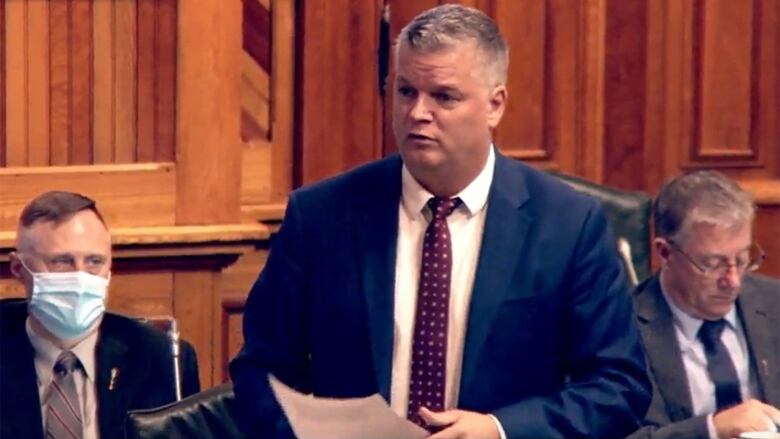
(46, 355)
(702, 389)
(466, 225)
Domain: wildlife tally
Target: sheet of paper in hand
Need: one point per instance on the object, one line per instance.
(354, 418)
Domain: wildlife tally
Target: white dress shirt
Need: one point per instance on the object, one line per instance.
(702, 389)
(466, 225)
(46, 354)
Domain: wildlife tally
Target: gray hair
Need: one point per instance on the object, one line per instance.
(700, 197)
(444, 26)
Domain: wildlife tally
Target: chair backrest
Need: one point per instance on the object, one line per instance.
(204, 415)
(167, 325)
(628, 213)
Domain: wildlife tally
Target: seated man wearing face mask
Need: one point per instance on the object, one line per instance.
(68, 369)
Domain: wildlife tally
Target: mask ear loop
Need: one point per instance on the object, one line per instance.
(21, 259)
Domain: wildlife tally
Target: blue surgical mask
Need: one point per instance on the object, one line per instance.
(68, 304)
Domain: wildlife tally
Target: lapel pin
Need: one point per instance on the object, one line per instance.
(765, 366)
(112, 380)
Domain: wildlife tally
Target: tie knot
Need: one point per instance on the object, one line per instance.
(67, 362)
(710, 331)
(442, 207)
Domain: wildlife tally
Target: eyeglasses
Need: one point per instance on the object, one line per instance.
(716, 266)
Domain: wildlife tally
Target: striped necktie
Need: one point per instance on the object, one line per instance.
(63, 413)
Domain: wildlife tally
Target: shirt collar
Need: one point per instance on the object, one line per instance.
(48, 352)
(690, 325)
(414, 197)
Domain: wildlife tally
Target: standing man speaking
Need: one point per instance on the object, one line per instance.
(479, 297)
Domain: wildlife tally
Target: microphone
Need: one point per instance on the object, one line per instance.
(624, 249)
(173, 334)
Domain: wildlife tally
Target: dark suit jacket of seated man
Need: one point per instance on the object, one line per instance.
(137, 355)
(671, 412)
(549, 346)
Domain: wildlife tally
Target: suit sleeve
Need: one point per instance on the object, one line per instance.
(190, 380)
(657, 424)
(275, 328)
(607, 391)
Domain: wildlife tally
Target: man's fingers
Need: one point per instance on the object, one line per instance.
(438, 419)
(772, 412)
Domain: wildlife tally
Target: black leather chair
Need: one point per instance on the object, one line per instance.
(204, 415)
(628, 213)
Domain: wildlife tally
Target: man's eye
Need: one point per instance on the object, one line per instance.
(444, 97)
(405, 91)
(713, 263)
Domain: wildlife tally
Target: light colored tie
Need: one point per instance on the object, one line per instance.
(63, 412)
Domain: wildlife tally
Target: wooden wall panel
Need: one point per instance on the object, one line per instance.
(38, 98)
(60, 49)
(16, 30)
(208, 113)
(128, 195)
(723, 57)
(350, 134)
(74, 81)
(125, 74)
(2, 84)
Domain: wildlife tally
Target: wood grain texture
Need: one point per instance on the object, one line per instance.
(125, 63)
(524, 25)
(624, 123)
(165, 80)
(128, 195)
(15, 42)
(350, 134)
(2, 85)
(208, 107)
(80, 83)
(60, 96)
(103, 91)
(283, 98)
(146, 89)
(38, 84)
(193, 305)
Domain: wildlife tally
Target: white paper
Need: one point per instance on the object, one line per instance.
(354, 418)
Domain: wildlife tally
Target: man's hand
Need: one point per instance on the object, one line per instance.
(460, 424)
(752, 415)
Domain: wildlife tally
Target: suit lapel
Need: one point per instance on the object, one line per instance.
(21, 406)
(666, 364)
(377, 234)
(114, 382)
(504, 234)
(762, 339)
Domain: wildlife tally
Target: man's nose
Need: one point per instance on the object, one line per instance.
(732, 278)
(420, 109)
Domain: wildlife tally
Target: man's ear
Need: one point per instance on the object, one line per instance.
(662, 249)
(15, 264)
(497, 105)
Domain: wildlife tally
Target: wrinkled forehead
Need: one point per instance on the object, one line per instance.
(81, 234)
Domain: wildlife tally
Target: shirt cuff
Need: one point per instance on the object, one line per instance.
(501, 433)
(711, 427)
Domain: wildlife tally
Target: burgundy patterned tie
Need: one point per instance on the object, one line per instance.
(429, 345)
(63, 413)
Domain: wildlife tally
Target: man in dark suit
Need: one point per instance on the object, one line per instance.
(711, 329)
(67, 368)
(479, 297)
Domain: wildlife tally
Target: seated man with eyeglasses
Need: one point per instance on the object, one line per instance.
(710, 327)
(68, 369)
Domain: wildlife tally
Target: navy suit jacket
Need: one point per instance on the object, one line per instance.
(138, 352)
(551, 348)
